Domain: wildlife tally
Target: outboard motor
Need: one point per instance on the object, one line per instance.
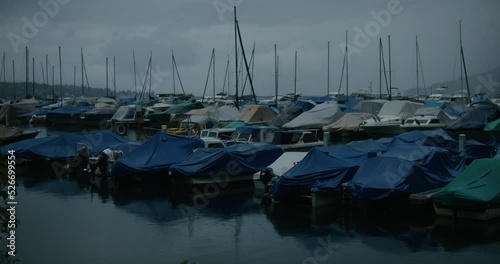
(266, 175)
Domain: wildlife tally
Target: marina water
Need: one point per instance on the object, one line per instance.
(64, 221)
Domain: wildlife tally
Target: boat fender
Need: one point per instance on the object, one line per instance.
(121, 129)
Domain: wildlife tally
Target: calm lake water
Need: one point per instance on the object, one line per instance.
(63, 221)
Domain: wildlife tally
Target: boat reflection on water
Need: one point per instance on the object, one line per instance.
(229, 224)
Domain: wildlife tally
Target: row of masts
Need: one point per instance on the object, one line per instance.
(249, 76)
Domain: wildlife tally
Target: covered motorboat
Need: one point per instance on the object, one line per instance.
(387, 122)
(257, 114)
(316, 118)
(294, 139)
(156, 155)
(473, 121)
(236, 163)
(475, 193)
(67, 115)
(427, 118)
(324, 170)
(63, 146)
(404, 170)
(14, 134)
(348, 125)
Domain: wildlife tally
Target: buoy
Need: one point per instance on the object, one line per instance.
(121, 129)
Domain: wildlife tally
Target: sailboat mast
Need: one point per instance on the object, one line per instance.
(465, 68)
(150, 73)
(380, 66)
(461, 59)
(135, 75)
(213, 72)
(246, 63)
(416, 56)
(114, 76)
(33, 82)
(83, 89)
(390, 69)
(74, 81)
(53, 86)
(346, 66)
(236, 57)
(295, 78)
(4, 68)
(328, 71)
(46, 72)
(14, 78)
(60, 75)
(43, 78)
(27, 71)
(173, 71)
(107, 86)
(275, 76)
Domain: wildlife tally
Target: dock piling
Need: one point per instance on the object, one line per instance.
(461, 142)
(326, 139)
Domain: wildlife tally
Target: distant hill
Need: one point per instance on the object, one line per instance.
(488, 82)
(42, 91)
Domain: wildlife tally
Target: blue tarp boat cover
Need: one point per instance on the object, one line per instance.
(346, 102)
(404, 170)
(64, 146)
(305, 105)
(326, 168)
(477, 150)
(431, 138)
(455, 110)
(318, 171)
(475, 117)
(67, 111)
(322, 99)
(30, 114)
(241, 159)
(156, 155)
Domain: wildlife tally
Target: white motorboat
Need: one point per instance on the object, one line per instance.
(427, 118)
(390, 118)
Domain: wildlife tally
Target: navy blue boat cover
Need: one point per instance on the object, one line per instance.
(318, 170)
(240, 159)
(64, 146)
(430, 138)
(156, 155)
(326, 168)
(67, 111)
(405, 169)
(376, 169)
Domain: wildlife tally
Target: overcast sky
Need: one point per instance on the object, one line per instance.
(191, 28)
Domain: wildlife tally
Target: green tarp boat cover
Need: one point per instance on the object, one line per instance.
(477, 187)
(492, 126)
(184, 107)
